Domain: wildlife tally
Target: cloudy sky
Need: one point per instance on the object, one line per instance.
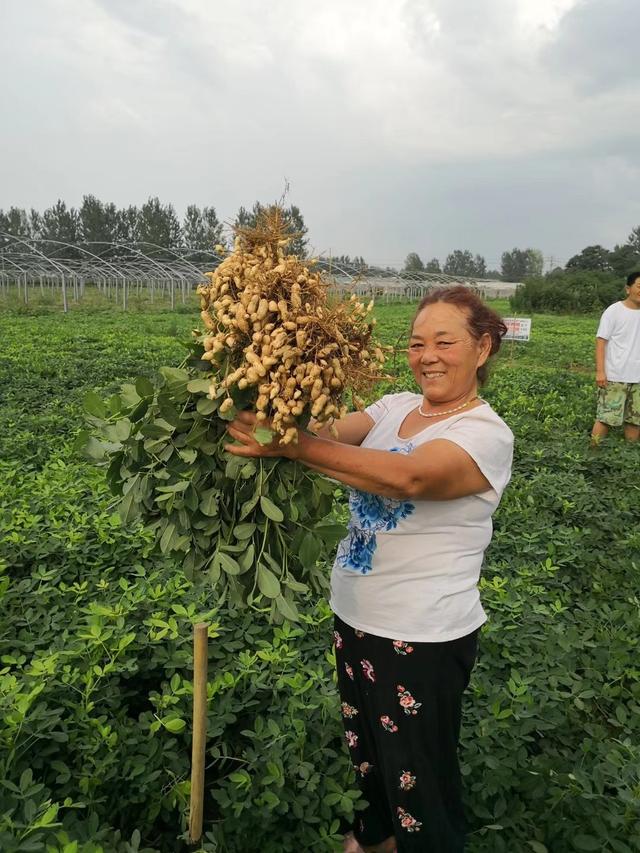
(400, 125)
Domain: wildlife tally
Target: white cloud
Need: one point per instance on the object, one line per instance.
(356, 101)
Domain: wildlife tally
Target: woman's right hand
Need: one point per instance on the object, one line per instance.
(601, 380)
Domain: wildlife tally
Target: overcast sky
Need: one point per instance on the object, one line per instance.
(401, 125)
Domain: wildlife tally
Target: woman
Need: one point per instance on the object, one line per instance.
(426, 472)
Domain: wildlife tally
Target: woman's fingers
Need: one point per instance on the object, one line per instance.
(240, 434)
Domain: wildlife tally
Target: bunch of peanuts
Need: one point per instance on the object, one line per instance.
(271, 326)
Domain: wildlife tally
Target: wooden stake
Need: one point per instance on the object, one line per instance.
(198, 746)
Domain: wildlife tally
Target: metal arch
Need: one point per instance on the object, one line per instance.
(172, 252)
(80, 248)
(32, 248)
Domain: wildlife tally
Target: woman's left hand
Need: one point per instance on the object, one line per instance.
(242, 428)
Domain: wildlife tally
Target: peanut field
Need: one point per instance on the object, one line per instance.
(96, 627)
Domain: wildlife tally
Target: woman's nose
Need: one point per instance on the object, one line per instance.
(429, 355)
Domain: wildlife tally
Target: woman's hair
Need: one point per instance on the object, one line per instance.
(481, 319)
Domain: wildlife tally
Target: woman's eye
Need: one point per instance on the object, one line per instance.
(444, 343)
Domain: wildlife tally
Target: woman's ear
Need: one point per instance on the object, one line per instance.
(484, 348)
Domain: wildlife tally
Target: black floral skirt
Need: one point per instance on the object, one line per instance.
(401, 707)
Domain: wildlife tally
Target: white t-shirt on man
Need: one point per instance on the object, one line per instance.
(620, 328)
(408, 570)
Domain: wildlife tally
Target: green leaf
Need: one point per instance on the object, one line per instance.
(538, 847)
(209, 503)
(296, 586)
(49, 816)
(174, 375)
(228, 564)
(180, 486)
(270, 509)
(94, 406)
(174, 725)
(268, 583)
(167, 536)
(98, 450)
(246, 558)
(244, 531)
(143, 387)
(206, 406)
(263, 435)
(128, 508)
(247, 506)
(188, 455)
(199, 386)
(587, 842)
(310, 549)
(288, 609)
(331, 533)
(129, 395)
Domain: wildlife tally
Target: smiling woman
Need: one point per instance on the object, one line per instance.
(426, 472)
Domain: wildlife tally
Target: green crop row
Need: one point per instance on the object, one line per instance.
(95, 631)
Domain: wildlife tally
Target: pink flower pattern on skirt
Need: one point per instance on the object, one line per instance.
(363, 768)
(402, 648)
(352, 739)
(348, 711)
(367, 669)
(407, 781)
(337, 639)
(407, 821)
(407, 702)
(348, 670)
(387, 724)
(359, 634)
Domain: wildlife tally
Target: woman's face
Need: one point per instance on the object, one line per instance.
(443, 354)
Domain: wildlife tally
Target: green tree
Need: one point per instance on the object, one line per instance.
(433, 265)
(634, 239)
(624, 259)
(128, 224)
(595, 258)
(98, 221)
(480, 266)
(159, 224)
(60, 223)
(213, 228)
(463, 263)
(413, 263)
(193, 230)
(35, 223)
(520, 263)
(15, 222)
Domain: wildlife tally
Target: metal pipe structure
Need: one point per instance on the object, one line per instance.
(116, 270)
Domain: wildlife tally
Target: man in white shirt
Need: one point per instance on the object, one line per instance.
(618, 366)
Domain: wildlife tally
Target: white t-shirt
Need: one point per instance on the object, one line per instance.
(408, 570)
(620, 328)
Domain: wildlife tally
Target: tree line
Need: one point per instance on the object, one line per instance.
(157, 224)
(154, 223)
(520, 264)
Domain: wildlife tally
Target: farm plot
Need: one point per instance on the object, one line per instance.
(95, 631)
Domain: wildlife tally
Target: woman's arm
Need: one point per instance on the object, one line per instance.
(352, 429)
(437, 470)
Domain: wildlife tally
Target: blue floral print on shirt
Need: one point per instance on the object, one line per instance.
(370, 514)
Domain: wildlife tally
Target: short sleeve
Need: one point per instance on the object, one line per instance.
(489, 442)
(383, 406)
(605, 327)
